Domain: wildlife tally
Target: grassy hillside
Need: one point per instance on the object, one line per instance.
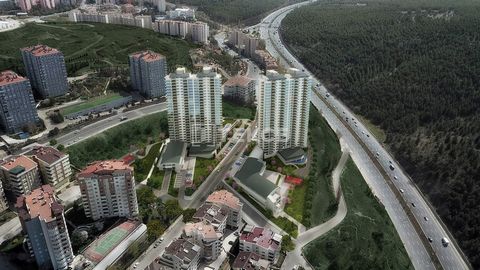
(89, 46)
(411, 68)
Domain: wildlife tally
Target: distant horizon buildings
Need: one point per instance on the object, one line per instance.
(43, 223)
(283, 107)
(181, 13)
(108, 190)
(17, 105)
(194, 105)
(147, 72)
(46, 70)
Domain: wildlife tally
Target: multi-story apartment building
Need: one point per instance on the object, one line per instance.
(243, 43)
(54, 165)
(147, 73)
(19, 175)
(27, 5)
(262, 241)
(213, 214)
(283, 105)
(108, 190)
(44, 225)
(17, 106)
(45, 68)
(199, 32)
(250, 261)
(181, 254)
(194, 105)
(231, 203)
(240, 89)
(207, 237)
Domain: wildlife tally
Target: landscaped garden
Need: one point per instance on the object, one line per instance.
(366, 238)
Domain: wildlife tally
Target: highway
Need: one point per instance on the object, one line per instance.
(411, 214)
(102, 125)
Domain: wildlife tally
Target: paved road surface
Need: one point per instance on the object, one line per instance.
(409, 220)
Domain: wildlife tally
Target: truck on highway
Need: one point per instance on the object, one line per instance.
(445, 241)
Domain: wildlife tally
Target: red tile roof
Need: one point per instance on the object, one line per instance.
(294, 180)
(238, 80)
(261, 237)
(226, 198)
(147, 56)
(9, 77)
(105, 167)
(40, 50)
(15, 161)
(40, 203)
(46, 153)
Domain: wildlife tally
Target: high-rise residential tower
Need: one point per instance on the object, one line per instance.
(283, 105)
(194, 104)
(147, 73)
(44, 225)
(17, 106)
(108, 190)
(45, 68)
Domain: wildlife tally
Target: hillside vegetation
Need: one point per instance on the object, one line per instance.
(413, 69)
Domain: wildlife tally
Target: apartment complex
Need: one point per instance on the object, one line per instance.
(147, 73)
(261, 241)
(17, 106)
(194, 106)
(240, 89)
(111, 18)
(108, 190)
(212, 214)
(205, 236)
(181, 14)
(27, 5)
(44, 226)
(197, 31)
(243, 43)
(54, 165)
(283, 105)
(19, 175)
(45, 68)
(231, 204)
(181, 254)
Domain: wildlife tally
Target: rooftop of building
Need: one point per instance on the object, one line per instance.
(226, 198)
(250, 261)
(40, 50)
(204, 228)
(105, 167)
(46, 153)
(106, 242)
(183, 249)
(293, 153)
(8, 77)
(40, 203)
(201, 149)
(263, 237)
(18, 164)
(291, 73)
(238, 80)
(212, 213)
(249, 175)
(147, 56)
(173, 152)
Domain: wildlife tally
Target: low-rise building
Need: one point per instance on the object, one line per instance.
(181, 254)
(205, 235)
(44, 226)
(54, 165)
(19, 175)
(108, 190)
(213, 214)
(240, 89)
(265, 60)
(232, 204)
(173, 156)
(261, 241)
(250, 261)
(250, 178)
(292, 156)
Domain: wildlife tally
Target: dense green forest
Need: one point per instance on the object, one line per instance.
(235, 11)
(412, 68)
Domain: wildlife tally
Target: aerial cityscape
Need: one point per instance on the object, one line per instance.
(239, 134)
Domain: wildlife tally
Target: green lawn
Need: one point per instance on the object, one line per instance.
(91, 45)
(203, 167)
(90, 103)
(171, 190)
(366, 238)
(234, 111)
(156, 180)
(274, 164)
(314, 201)
(142, 166)
(119, 140)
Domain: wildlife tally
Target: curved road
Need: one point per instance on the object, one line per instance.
(410, 212)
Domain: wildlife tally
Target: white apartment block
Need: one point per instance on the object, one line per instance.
(283, 103)
(108, 190)
(44, 225)
(194, 103)
(54, 166)
(19, 175)
(199, 32)
(204, 235)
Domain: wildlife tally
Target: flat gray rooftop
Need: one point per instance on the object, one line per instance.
(173, 152)
(249, 175)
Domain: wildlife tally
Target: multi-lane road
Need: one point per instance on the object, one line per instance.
(420, 229)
